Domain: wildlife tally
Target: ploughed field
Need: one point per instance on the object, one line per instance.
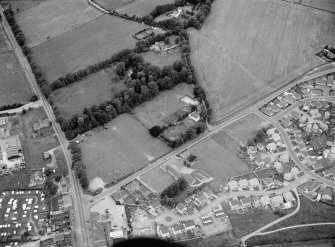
(248, 48)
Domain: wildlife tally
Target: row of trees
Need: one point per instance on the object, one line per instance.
(11, 106)
(77, 165)
(20, 38)
(172, 190)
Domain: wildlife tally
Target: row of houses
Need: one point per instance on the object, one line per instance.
(243, 184)
(178, 228)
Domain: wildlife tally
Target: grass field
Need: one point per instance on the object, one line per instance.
(310, 212)
(167, 102)
(124, 147)
(141, 7)
(4, 42)
(92, 90)
(113, 4)
(249, 48)
(53, 18)
(157, 179)
(160, 59)
(90, 43)
(328, 5)
(23, 5)
(14, 87)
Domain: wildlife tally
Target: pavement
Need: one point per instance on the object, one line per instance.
(82, 236)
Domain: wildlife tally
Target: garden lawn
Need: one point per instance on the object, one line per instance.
(160, 59)
(92, 90)
(157, 179)
(124, 147)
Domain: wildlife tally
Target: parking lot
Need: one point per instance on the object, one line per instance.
(21, 211)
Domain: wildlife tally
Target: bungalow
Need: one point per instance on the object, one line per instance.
(177, 229)
(267, 111)
(305, 91)
(289, 99)
(282, 104)
(164, 231)
(201, 199)
(320, 82)
(254, 182)
(327, 194)
(234, 204)
(269, 182)
(316, 92)
(332, 93)
(155, 204)
(190, 179)
(233, 185)
(255, 201)
(317, 166)
(273, 107)
(246, 201)
(276, 201)
(329, 172)
(181, 208)
(286, 122)
(201, 177)
(243, 183)
(206, 220)
(259, 161)
(189, 225)
(195, 116)
(219, 213)
(330, 82)
(288, 197)
(295, 95)
(265, 200)
(312, 186)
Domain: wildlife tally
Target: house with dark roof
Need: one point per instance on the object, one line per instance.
(234, 204)
(219, 213)
(177, 228)
(329, 172)
(189, 225)
(181, 208)
(164, 231)
(246, 201)
(207, 220)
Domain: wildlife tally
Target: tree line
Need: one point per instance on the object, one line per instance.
(172, 190)
(78, 166)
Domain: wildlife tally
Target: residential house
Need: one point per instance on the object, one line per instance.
(243, 183)
(246, 201)
(278, 166)
(259, 161)
(207, 220)
(267, 111)
(260, 146)
(190, 179)
(195, 116)
(295, 95)
(320, 82)
(255, 201)
(234, 204)
(209, 193)
(233, 185)
(173, 172)
(269, 182)
(251, 150)
(164, 231)
(201, 199)
(282, 104)
(288, 196)
(189, 225)
(181, 208)
(288, 177)
(329, 172)
(317, 166)
(265, 200)
(177, 229)
(202, 177)
(316, 92)
(254, 182)
(276, 201)
(273, 107)
(219, 213)
(289, 99)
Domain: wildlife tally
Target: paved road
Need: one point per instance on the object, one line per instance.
(258, 231)
(82, 238)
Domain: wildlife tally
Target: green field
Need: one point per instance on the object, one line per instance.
(160, 59)
(141, 7)
(92, 90)
(167, 102)
(124, 147)
(247, 49)
(4, 42)
(14, 87)
(113, 4)
(52, 18)
(23, 5)
(89, 43)
(157, 179)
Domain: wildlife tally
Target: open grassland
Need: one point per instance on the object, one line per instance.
(90, 43)
(300, 235)
(13, 85)
(167, 102)
(124, 147)
(112, 4)
(160, 59)
(53, 18)
(247, 49)
(310, 212)
(4, 42)
(23, 5)
(328, 5)
(92, 90)
(141, 7)
(157, 179)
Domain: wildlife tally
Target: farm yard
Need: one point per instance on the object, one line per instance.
(52, 18)
(90, 43)
(234, 62)
(141, 7)
(157, 179)
(167, 102)
(14, 87)
(106, 152)
(92, 90)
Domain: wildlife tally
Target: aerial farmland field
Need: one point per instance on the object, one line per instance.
(90, 43)
(92, 90)
(141, 7)
(23, 5)
(52, 18)
(113, 4)
(247, 49)
(14, 87)
(124, 147)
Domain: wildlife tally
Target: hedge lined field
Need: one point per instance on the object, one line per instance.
(249, 48)
(141, 7)
(90, 43)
